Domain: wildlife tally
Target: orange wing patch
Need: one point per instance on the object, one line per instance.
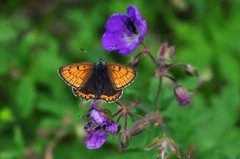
(112, 98)
(120, 75)
(104, 97)
(76, 92)
(76, 74)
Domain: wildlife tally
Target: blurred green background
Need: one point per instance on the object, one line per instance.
(39, 116)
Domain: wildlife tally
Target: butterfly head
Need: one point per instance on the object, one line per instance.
(101, 62)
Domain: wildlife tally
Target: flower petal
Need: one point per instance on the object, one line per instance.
(96, 139)
(119, 41)
(116, 23)
(133, 12)
(98, 116)
(140, 23)
(143, 29)
(112, 127)
(115, 37)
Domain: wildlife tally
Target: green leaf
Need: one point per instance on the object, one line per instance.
(25, 97)
(18, 138)
(230, 68)
(7, 31)
(9, 149)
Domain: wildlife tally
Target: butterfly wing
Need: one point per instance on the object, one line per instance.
(82, 78)
(76, 74)
(109, 93)
(88, 91)
(106, 97)
(120, 75)
(84, 95)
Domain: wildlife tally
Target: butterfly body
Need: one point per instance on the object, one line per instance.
(97, 80)
(100, 76)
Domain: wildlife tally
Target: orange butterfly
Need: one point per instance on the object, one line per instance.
(97, 80)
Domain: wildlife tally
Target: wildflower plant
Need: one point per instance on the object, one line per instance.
(124, 33)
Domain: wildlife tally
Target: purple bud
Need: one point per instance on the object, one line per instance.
(182, 95)
(166, 54)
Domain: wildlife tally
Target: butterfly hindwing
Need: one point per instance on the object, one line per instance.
(84, 95)
(120, 75)
(88, 91)
(109, 93)
(76, 74)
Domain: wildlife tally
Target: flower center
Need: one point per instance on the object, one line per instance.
(131, 27)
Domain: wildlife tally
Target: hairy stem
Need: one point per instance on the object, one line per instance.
(171, 79)
(158, 93)
(119, 104)
(125, 121)
(150, 54)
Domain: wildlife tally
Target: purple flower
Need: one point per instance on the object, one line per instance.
(182, 95)
(124, 32)
(97, 128)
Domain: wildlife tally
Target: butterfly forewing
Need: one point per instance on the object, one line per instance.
(120, 75)
(76, 74)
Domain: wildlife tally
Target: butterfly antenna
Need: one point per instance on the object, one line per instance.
(87, 54)
(103, 58)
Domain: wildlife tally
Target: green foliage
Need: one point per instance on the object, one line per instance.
(37, 38)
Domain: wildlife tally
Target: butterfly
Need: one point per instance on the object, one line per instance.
(100, 80)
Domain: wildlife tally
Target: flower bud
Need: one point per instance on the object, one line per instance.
(161, 71)
(191, 71)
(174, 148)
(156, 143)
(134, 62)
(139, 127)
(166, 54)
(182, 95)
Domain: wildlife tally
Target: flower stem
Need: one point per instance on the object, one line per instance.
(158, 93)
(150, 54)
(135, 115)
(93, 106)
(125, 121)
(117, 113)
(172, 79)
(164, 129)
(177, 65)
(119, 104)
